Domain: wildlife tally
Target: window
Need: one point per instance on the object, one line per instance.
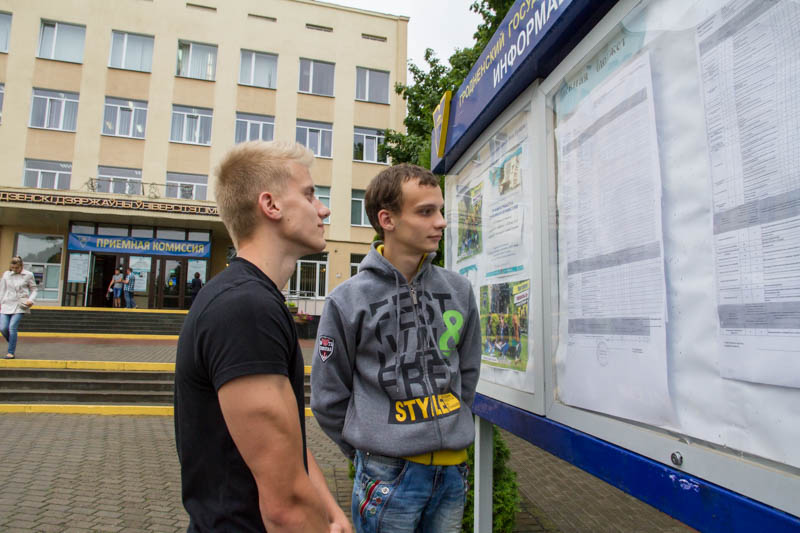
(131, 51)
(119, 180)
(54, 110)
(372, 85)
(125, 118)
(317, 136)
(5, 31)
(171, 233)
(358, 215)
(186, 186)
(355, 260)
(200, 236)
(197, 60)
(316, 77)
(310, 276)
(365, 145)
(251, 127)
(41, 174)
(2, 97)
(144, 232)
(60, 41)
(112, 230)
(258, 69)
(42, 256)
(324, 195)
(191, 125)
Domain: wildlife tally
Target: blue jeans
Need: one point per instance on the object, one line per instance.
(129, 299)
(9, 324)
(399, 496)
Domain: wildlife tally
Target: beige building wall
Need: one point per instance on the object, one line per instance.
(273, 26)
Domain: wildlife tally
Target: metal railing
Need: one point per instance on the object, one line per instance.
(307, 301)
(138, 188)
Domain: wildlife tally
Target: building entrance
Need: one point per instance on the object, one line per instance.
(103, 266)
(170, 282)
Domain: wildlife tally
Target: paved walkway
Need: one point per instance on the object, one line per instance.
(75, 473)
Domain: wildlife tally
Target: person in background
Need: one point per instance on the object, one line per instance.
(116, 287)
(17, 296)
(239, 371)
(195, 287)
(129, 287)
(396, 364)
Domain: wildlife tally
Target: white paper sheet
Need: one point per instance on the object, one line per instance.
(749, 57)
(609, 199)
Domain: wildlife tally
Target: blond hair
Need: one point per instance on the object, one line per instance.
(246, 171)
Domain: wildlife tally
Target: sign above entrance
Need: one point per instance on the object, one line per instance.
(138, 245)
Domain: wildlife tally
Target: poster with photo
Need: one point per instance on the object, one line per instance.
(470, 223)
(504, 325)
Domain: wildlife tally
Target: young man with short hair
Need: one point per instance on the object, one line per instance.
(239, 393)
(396, 365)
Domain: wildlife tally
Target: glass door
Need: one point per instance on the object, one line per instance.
(171, 280)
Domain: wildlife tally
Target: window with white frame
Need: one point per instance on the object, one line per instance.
(131, 51)
(5, 31)
(358, 214)
(251, 127)
(197, 60)
(61, 41)
(125, 118)
(324, 195)
(42, 257)
(187, 186)
(40, 174)
(2, 97)
(372, 85)
(316, 77)
(258, 69)
(54, 110)
(191, 125)
(119, 180)
(355, 260)
(365, 145)
(316, 136)
(310, 277)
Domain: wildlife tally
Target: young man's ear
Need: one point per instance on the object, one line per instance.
(268, 206)
(386, 220)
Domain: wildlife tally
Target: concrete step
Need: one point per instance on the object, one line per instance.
(76, 375)
(81, 396)
(48, 384)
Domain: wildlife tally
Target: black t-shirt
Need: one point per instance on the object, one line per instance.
(239, 325)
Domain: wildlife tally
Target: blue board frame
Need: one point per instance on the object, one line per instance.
(694, 501)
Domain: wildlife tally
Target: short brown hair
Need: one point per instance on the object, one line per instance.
(385, 191)
(246, 171)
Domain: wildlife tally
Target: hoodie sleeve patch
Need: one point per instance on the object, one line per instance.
(325, 347)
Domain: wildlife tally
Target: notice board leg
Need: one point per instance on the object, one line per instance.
(484, 457)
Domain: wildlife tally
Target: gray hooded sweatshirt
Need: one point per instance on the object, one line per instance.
(395, 363)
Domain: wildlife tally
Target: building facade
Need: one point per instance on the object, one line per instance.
(113, 116)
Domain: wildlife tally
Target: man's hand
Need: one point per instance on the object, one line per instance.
(29, 303)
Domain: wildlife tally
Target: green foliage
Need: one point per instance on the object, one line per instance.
(505, 491)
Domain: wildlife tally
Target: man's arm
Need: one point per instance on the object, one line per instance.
(332, 375)
(470, 352)
(339, 521)
(260, 411)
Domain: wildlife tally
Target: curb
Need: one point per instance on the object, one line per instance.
(87, 365)
(105, 410)
(134, 336)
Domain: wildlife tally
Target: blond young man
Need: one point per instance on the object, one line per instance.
(396, 365)
(239, 400)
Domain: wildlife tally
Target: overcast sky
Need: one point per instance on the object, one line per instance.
(443, 25)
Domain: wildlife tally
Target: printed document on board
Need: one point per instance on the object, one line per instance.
(749, 57)
(613, 310)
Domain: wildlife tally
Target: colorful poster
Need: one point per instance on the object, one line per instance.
(504, 324)
(470, 226)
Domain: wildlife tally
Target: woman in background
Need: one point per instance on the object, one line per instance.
(17, 295)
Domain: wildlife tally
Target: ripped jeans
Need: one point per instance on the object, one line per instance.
(399, 496)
